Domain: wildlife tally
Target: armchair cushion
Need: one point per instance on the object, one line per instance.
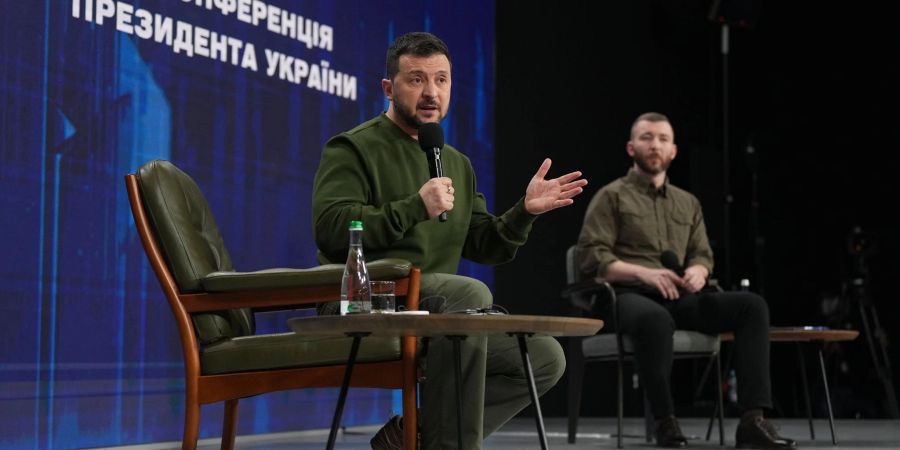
(191, 243)
(183, 223)
(227, 281)
(272, 351)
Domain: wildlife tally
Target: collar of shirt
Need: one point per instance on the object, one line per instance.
(643, 185)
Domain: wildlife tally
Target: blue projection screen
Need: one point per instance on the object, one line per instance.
(240, 98)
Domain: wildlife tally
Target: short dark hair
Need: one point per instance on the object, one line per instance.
(649, 117)
(418, 43)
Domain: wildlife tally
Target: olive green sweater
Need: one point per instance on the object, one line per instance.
(373, 173)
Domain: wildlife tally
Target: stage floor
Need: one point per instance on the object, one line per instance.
(594, 433)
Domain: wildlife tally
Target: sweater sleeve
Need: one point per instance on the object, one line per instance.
(496, 239)
(342, 191)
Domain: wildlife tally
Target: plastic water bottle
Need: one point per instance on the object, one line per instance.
(732, 387)
(355, 294)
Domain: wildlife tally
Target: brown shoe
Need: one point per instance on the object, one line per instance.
(390, 436)
(759, 432)
(668, 433)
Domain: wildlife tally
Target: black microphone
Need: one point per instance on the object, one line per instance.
(431, 139)
(670, 261)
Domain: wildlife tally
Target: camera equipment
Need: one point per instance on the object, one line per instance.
(855, 292)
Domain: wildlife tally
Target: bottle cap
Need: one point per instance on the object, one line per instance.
(356, 225)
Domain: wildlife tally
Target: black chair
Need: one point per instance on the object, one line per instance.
(583, 295)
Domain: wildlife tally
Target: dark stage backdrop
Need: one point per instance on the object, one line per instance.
(241, 99)
(812, 89)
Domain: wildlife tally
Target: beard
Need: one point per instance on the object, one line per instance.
(409, 117)
(645, 163)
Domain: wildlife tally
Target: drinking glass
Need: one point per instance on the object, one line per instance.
(382, 296)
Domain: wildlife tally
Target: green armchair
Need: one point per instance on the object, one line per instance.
(213, 306)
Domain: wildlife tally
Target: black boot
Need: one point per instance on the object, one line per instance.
(755, 431)
(390, 436)
(668, 433)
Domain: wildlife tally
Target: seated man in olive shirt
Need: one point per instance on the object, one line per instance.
(628, 225)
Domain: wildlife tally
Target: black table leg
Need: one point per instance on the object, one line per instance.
(812, 432)
(532, 389)
(339, 410)
(720, 405)
(827, 395)
(712, 418)
(458, 365)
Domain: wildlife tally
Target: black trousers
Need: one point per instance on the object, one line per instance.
(650, 321)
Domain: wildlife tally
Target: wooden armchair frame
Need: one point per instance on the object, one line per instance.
(202, 389)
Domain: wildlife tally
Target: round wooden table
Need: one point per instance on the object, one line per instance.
(455, 327)
(805, 335)
(425, 325)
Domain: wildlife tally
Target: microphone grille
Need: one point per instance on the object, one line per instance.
(670, 261)
(431, 135)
